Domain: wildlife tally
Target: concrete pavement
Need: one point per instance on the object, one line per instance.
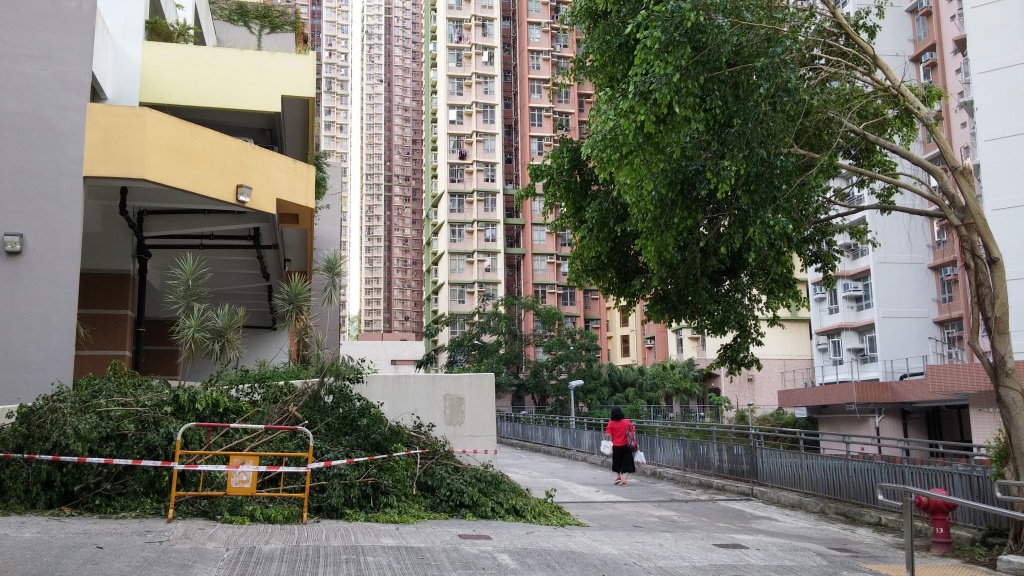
(650, 528)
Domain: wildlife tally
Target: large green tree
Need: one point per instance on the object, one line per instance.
(537, 360)
(717, 136)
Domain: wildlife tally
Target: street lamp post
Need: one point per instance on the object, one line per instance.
(572, 401)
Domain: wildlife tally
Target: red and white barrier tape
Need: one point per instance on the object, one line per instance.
(330, 463)
(78, 460)
(225, 467)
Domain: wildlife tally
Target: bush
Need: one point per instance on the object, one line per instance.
(125, 415)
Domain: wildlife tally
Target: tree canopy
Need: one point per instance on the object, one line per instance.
(727, 136)
(494, 339)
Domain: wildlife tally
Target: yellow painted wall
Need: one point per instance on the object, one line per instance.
(224, 78)
(141, 143)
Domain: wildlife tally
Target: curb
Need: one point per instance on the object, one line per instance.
(816, 505)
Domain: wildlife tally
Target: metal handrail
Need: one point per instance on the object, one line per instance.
(763, 435)
(1007, 497)
(908, 511)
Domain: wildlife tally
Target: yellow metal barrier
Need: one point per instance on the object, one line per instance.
(242, 467)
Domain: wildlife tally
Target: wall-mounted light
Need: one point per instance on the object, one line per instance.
(287, 264)
(13, 242)
(243, 193)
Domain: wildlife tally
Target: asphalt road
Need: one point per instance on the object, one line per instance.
(649, 528)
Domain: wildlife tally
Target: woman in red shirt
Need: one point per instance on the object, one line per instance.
(622, 453)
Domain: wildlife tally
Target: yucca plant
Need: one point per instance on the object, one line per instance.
(294, 302)
(226, 343)
(332, 270)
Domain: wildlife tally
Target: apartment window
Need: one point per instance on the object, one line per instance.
(536, 118)
(680, 340)
(866, 300)
(540, 264)
(870, 343)
(569, 321)
(457, 233)
(487, 4)
(581, 104)
(569, 296)
(506, 76)
(455, 4)
(539, 233)
(533, 32)
(833, 302)
(506, 103)
(455, 30)
(564, 95)
(537, 205)
(946, 291)
(623, 318)
(456, 174)
(487, 29)
(921, 27)
(535, 61)
(455, 57)
(490, 232)
(564, 239)
(457, 116)
(457, 264)
(624, 346)
(490, 203)
(536, 89)
(489, 115)
(540, 292)
(458, 294)
(533, 6)
(490, 291)
(490, 173)
(456, 87)
(941, 237)
(457, 203)
(563, 265)
(488, 86)
(456, 144)
(490, 144)
(835, 347)
(926, 74)
(588, 296)
(536, 145)
(458, 326)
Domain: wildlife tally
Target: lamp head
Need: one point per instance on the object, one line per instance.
(575, 384)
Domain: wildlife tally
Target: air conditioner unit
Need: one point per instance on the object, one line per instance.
(928, 57)
(433, 303)
(433, 215)
(547, 139)
(470, 288)
(595, 295)
(852, 288)
(949, 272)
(821, 342)
(819, 292)
(855, 346)
(551, 260)
(434, 272)
(478, 18)
(552, 290)
(545, 26)
(695, 334)
(923, 4)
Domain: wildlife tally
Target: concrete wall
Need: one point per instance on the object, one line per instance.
(996, 50)
(45, 62)
(389, 357)
(117, 50)
(231, 36)
(259, 345)
(327, 237)
(460, 405)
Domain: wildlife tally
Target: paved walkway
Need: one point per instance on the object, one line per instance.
(650, 528)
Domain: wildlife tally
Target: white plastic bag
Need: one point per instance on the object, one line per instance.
(639, 459)
(606, 447)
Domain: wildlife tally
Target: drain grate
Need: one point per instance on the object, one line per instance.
(731, 546)
(842, 550)
(475, 537)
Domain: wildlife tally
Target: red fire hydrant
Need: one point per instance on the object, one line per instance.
(939, 510)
